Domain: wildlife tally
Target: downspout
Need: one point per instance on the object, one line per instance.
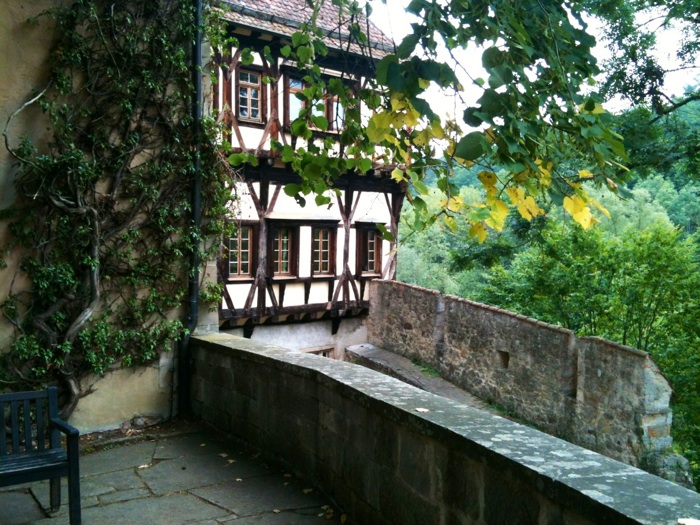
(183, 377)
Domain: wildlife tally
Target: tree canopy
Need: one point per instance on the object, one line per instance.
(536, 111)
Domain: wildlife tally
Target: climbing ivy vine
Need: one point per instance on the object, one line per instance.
(103, 218)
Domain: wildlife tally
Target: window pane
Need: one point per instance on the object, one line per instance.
(281, 251)
(338, 115)
(371, 246)
(321, 251)
(239, 252)
(295, 106)
(295, 83)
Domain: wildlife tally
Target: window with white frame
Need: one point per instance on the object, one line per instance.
(250, 96)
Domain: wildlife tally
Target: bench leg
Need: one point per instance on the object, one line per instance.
(74, 498)
(55, 494)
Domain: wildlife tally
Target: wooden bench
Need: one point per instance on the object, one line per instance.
(30, 446)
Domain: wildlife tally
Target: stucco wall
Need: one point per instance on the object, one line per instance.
(23, 73)
(389, 453)
(593, 392)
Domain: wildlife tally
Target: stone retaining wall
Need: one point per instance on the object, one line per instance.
(604, 396)
(389, 453)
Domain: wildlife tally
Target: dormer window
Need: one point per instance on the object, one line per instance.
(249, 102)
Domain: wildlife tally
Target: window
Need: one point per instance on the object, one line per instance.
(284, 251)
(336, 114)
(294, 104)
(369, 249)
(240, 260)
(250, 91)
(322, 258)
(329, 107)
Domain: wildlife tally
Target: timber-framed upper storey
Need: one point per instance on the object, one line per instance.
(288, 263)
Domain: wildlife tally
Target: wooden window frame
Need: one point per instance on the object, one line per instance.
(261, 86)
(288, 94)
(331, 247)
(293, 249)
(329, 102)
(366, 232)
(253, 230)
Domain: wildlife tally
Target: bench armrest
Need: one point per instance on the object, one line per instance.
(64, 427)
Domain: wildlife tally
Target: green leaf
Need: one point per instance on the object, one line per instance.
(365, 165)
(382, 74)
(292, 189)
(492, 57)
(471, 146)
(320, 122)
(237, 159)
(395, 80)
(386, 234)
(322, 200)
(500, 76)
(470, 117)
(408, 44)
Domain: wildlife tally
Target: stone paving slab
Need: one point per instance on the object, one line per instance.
(247, 497)
(198, 478)
(18, 507)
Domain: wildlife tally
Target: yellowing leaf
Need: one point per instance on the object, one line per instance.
(490, 135)
(579, 210)
(412, 117)
(398, 102)
(488, 178)
(499, 212)
(585, 174)
(596, 109)
(455, 203)
(545, 172)
(478, 231)
(436, 130)
(398, 175)
(450, 222)
(423, 83)
(600, 207)
(527, 207)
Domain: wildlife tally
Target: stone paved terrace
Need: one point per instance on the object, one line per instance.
(179, 474)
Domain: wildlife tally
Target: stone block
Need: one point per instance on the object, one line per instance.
(416, 463)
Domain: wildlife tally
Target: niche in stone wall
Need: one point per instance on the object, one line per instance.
(503, 358)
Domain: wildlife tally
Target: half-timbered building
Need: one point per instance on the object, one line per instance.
(289, 265)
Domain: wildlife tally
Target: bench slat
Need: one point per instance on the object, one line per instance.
(3, 427)
(32, 460)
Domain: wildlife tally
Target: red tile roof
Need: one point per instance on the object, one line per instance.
(284, 17)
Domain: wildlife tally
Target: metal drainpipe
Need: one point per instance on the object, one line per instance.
(184, 407)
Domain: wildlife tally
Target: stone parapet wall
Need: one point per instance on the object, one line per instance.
(389, 453)
(601, 395)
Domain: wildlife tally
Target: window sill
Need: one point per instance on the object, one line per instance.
(240, 280)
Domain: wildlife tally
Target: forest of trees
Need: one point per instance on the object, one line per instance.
(634, 278)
